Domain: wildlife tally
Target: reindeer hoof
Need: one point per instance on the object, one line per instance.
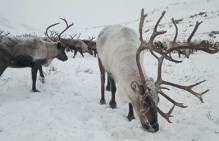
(130, 117)
(42, 79)
(102, 101)
(112, 104)
(107, 88)
(35, 91)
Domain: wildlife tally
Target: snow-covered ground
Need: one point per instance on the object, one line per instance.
(67, 107)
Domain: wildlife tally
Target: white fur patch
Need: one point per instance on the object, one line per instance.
(42, 80)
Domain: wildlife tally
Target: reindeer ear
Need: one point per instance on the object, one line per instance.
(59, 45)
(136, 87)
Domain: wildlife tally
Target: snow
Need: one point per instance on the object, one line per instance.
(67, 107)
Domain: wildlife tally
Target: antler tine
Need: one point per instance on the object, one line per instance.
(91, 38)
(174, 40)
(193, 32)
(72, 37)
(169, 57)
(166, 115)
(187, 88)
(155, 32)
(176, 30)
(46, 33)
(6, 34)
(157, 48)
(79, 36)
(153, 36)
(67, 26)
(141, 24)
(172, 101)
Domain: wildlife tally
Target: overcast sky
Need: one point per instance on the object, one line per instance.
(38, 14)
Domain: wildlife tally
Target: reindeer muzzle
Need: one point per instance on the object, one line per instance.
(152, 127)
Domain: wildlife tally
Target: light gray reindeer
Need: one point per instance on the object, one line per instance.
(19, 52)
(120, 54)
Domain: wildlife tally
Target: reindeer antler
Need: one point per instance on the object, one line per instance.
(67, 27)
(204, 46)
(46, 33)
(91, 38)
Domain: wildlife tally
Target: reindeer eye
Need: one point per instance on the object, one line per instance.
(141, 90)
(147, 103)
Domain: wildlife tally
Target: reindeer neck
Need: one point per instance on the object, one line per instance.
(52, 50)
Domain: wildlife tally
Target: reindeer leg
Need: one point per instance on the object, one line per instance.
(108, 83)
(102, 75)
(75, 52)
(112, 102)
(81, 52)
(42, 77)
(3, 67)
(95, 53)
(131, 113)
(3, 64)
(34, 70)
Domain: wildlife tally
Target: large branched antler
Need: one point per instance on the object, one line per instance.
(52, 34)
(204, 46)
(67, 27)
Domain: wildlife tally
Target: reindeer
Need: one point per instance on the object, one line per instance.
(55, 37)
(77, 48)
(69, 43)
(20, 52)
(72, 44)
(165, 45)
(91, 45)
(121, 55)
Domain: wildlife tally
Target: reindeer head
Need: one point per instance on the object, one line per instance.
(70, 43)
(148, 90)
(61, 52)
(146, 112)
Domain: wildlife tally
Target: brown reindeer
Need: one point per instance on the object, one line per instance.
(72, 44)
(120, 54)
(19, 52)
(91, 45)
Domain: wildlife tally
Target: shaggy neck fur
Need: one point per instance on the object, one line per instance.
(52, 50)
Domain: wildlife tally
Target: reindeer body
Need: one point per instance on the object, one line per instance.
(76, 45)
(29, 47)
(19, 52)
(91, 46)
(117, 46)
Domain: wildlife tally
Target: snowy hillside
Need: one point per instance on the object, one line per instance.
(67, 107)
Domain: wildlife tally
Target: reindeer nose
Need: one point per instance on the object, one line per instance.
(155, 126)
